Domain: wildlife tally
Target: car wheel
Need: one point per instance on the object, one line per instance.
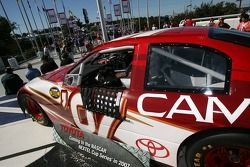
(224, 149)
(35, 111)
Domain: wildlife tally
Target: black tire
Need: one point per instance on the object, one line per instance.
(221, 148)
(30, 106)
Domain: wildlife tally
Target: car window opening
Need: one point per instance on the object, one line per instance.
(186, 68)
(104, 79)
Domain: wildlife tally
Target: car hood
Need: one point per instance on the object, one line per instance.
(58, 74)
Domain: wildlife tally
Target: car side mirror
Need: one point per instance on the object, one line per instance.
(71, 79)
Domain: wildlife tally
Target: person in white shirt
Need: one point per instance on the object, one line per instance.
(46, 49)
(154, 27)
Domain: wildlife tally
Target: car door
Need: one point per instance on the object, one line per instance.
(105, 77)
(191, 76)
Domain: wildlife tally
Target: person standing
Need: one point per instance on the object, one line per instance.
(166, 25)
(48, 65)
(189, 22)
(32, 72)
(154, 27)
(46, 49)
(98, 38)
(222, 24)
(211, 22)
(11, 82)
(66, 58)
(89, 46)
(244, 25)
(58, 50)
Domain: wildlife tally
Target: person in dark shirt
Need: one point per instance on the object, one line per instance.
(11, 82)
(222, 24)
(211, 22)
(58, 50)
(66, 60)
(32, 72)
(48, 64)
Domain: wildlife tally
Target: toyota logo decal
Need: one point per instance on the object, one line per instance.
(154, 148)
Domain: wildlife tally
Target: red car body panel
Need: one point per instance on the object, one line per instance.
(203, 111)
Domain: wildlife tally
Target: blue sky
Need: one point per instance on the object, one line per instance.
(167, 8)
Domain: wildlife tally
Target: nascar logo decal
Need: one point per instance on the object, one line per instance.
(154, 148)
(54, 92)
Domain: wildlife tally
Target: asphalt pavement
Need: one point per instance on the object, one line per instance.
(26, 143)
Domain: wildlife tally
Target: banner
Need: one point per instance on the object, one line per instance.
(125, 6)
(109, 18)
(117, 10)
(51, 16)
(85, 14)
(62, 18)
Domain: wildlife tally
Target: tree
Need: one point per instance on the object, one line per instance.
(79, 23)
(7, 43)
(208, 10)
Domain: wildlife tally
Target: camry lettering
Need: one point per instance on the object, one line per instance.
(193, 110)
(230, 117)
(149, 95)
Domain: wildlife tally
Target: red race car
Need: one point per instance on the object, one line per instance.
(179, 97)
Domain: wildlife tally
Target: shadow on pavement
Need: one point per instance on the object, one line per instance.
(61, 156)
(2, 98)
(11, 117)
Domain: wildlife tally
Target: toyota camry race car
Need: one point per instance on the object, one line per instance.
(179, 97)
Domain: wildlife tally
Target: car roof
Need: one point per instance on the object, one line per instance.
(231, 36)
(165, 32)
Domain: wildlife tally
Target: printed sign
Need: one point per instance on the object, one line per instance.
(109, 152)
(109, 18)
(51, 16)
(125, 6)
(62, 18)
(117, 10)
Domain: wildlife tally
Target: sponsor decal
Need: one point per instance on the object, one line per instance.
(155, 149)
(54, 92)
(231, 116)
(72, 131)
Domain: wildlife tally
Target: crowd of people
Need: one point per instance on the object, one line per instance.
(12, 82)
(244, 23)
(65, 50)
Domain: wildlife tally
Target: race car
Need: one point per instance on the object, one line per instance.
(175, 97)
